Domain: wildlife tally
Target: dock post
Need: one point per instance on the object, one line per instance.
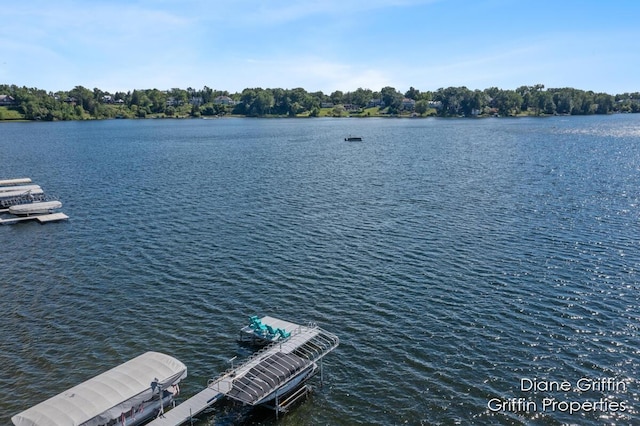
(190, 417)
(277, 405)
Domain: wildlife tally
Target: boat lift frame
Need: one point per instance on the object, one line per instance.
(309, 343)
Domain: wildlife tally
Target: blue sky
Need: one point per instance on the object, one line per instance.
(327, 45)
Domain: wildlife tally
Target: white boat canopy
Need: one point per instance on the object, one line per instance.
(22, 188)
(108, 395)
(14, 181)
(15, 194)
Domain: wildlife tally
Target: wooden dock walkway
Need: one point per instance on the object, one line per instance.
(308, 342)
(182, 413)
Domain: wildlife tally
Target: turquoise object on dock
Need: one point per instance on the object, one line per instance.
(263, 330)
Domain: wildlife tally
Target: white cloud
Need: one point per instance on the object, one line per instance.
(310, 73)
(121, 45)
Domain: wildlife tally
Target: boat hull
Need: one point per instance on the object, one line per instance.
(292, 385)
(145, 413)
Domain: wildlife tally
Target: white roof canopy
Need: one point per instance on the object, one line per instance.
(107, 395)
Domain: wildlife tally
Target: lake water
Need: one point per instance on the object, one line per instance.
(459, 261)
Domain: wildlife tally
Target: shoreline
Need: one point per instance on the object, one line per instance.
(303, 117)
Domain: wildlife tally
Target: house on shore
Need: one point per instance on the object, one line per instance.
(223, 100)
(7, 100)
(408, 104)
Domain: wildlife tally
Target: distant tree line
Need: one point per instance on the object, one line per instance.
(83, 103)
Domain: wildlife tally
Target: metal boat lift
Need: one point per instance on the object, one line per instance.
(278, 370)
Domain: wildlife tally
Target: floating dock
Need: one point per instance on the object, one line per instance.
(42, 218)
(278, 369)
(27, 202)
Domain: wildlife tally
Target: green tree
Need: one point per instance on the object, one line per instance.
(338, 111)
(455, 100)
(281, 101)
(392, 99)
(79, 111)
(563, 101)
(157, 100)
(180, 96)
(508, 102)
(256, 102)
(412, 94)
(206, 94)
(361, 97)
(545, 103)
(470, 102)
(529, 96)
(604, 103)
(319, 98)
(84, 98)
(422, 106)
(37, 104)
(337, 97)
(425, 96)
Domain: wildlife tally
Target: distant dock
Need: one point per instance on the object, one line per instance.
(22, 202)
(42, 218)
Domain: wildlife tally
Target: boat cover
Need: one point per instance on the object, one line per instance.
(23, 188)
(14, 194)
(108, 395)
(266, 377)
(35, 207)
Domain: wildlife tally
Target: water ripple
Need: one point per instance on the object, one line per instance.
(453, 258)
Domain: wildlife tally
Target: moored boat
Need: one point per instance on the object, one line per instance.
(129, 394)
(5, 195)
(22, 188)
(17, 181)
(275, 377)
(38, 207)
